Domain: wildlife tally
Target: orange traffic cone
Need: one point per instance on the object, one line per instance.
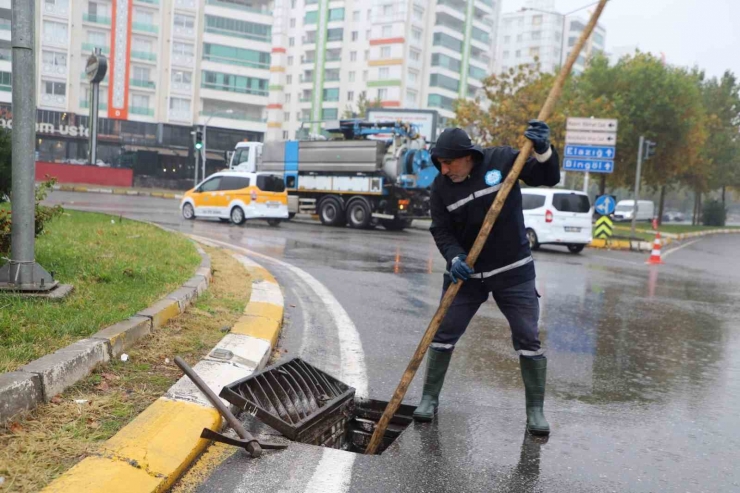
(655, 255)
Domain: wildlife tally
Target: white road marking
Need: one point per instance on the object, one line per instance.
(679, 248)
(616, 260)
(333, 474)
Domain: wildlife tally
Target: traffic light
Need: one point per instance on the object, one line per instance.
(198, 140)
(649, 149)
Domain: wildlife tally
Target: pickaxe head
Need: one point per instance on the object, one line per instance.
(253, 447)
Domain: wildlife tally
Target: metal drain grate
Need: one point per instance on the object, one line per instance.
(297, 399)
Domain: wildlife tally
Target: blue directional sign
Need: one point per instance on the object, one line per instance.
(605, 205)
(590, 165)
(590, 152)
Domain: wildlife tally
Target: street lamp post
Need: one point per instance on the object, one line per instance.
(205, 135)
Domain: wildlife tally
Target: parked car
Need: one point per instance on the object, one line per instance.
(673, 216)
(625, 208)
(237, 196)
(557, 217)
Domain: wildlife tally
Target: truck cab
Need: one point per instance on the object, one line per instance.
(246, 156)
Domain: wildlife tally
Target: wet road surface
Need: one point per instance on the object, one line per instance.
(643, 387)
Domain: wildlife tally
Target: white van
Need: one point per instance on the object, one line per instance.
(624, 209)
(557, 217)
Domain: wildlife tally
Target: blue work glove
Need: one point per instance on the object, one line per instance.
(460, 269)
(539, 133)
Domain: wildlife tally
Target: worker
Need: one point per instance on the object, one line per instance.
(462, 194)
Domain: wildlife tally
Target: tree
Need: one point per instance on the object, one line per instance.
(363, 104)
(5, 165)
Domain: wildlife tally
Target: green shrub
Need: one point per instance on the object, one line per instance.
(5, 165)
(44, 214)
(713, 213)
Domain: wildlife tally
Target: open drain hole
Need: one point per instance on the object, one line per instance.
(310, 406)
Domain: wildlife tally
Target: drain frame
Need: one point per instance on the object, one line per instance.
(326, 400)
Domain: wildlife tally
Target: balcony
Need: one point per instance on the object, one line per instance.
(141, 110)
(53, 100)
(149, 2)
(186, 4)
(96, 19)
(83, 78)
(147, 84)
(264, 10)
(180, 115)
(145, 27)
(143, 55)
(59, 9)
(237, 34)
(241, 90)
(91, 47)
(6, 88)
(182, 59)
(235, 61)
(51, 69)
(235, 115)
(182, 86)
(101, 106)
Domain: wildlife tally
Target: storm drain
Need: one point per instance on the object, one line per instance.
(310, 406)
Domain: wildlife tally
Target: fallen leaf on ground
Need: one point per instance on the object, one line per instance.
(56, 400)
(103, 387)
(93, 424)
(15, 427)
(110, 376)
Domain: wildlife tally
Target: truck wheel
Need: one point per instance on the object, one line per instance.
(396, 224)
(237, 215)
(359, 214)
(331, 212)
(534, 243)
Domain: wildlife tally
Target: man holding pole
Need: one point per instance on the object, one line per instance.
(462, 194)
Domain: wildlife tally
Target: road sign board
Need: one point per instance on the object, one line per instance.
(605, 205)
(594, 138)
(599, 152)
(592, 124)
(604, 227)
(590, 165)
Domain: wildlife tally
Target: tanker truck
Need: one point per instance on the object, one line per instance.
(373, 173)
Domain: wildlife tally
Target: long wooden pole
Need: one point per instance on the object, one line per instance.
(485, 230)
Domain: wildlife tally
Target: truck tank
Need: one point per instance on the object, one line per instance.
(327, 156)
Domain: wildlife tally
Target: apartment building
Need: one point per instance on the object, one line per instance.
(403, 54)
(539, 32)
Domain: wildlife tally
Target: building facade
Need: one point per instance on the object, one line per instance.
(539, 33)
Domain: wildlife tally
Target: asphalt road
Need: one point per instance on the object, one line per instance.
(643, 390)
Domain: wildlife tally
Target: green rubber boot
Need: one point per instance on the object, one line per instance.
(437, 363)
(534, 374)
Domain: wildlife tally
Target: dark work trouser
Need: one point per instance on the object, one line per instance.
(519, 304)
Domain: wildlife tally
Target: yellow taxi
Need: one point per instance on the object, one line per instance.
(236, 196)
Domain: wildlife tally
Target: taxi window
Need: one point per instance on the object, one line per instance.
(270, 183)
(234, 183)
(211, 185)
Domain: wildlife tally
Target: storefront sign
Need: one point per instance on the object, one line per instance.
(51, 129)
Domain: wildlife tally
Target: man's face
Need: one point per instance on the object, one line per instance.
(458, 169)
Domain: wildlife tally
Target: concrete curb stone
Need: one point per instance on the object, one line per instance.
(20, 391)
(117, 191)
(68, 365)
(123, 335)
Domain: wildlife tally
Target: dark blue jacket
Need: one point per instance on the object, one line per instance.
(458, 210)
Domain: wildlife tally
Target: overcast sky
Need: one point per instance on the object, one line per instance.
(690, 32)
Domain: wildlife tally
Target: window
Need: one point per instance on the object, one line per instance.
(507, 40)
(287, 98)
(572, 42)
(141, 73)
(286, 135)
(350, 95)
(336, 14)
(439, 80)
(506, 55)
(237, 28)
(577, 26)
(369, 14)
(476, 73)
(234, 83)
(331, 95)
(352, 56)
(355, 35)
(387, 31)
(184, 21)
(181, 77)
(411, 96)
(184, 49)
(536, 34)
(356, 16)
(351, 76)
(537, 20)
(142, 45)
(383, 93)
(364, 75)
(530, 201)
(413, 76)
(383, 73)
(311, 17)
(518, 53)
(331, 75)
(385, 52)
(415, 55)
(291, 41)
(367, 34)
(519, 37)
(416, 34)
(388, 9)
(292, 22)
(439, 101)
(598, 39)
(97, 38)
(367, 54)
(335, 34)
(418, 13)
(236, 56)
(54, 59)
(290, 60)
(440, 60)
(143, 16)
(442, 39)
(180, 105)
(54, 88)
(211, 185)
(234, 183)
(272, 183)
(571, 202)
(288, 79)
(6, 79)
(329, 113)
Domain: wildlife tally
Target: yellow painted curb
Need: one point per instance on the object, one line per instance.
(156, 194)
(159, 443)
(168, 195)
(102, 475)
(262, 273)
(266, 310)
(258, 327)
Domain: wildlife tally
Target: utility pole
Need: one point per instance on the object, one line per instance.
(635, 207)
(22, 273)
